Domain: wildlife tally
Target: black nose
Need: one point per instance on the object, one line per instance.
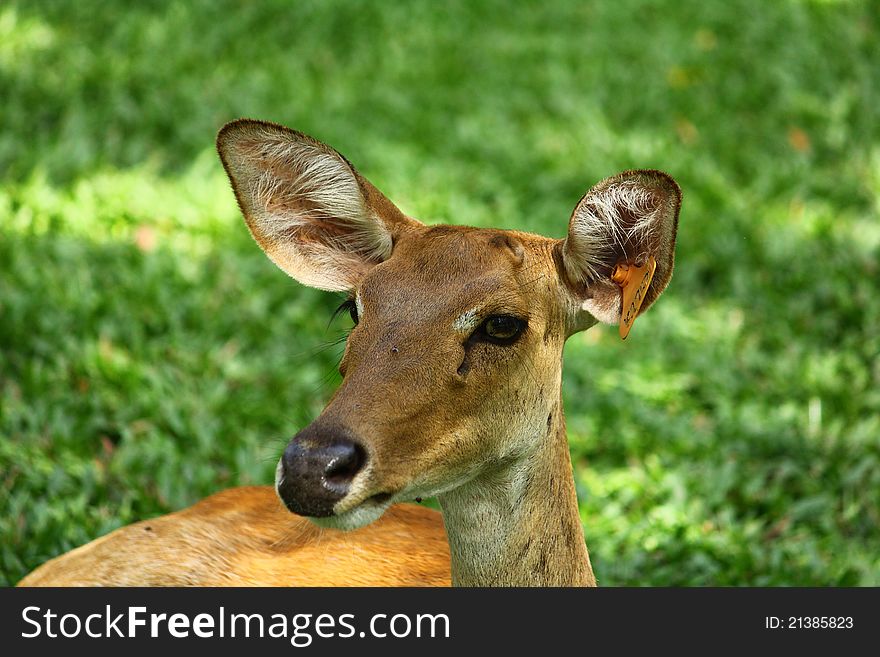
(317, 469)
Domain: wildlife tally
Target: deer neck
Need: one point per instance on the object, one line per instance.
(518, 524)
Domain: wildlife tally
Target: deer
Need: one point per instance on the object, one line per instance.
(451, 387)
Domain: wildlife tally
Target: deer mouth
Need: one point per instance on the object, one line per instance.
(357, 515)
(380, 498)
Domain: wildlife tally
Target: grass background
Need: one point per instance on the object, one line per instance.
(151, 355)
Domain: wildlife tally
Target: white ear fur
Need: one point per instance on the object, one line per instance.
(305, 205)
(625, 218)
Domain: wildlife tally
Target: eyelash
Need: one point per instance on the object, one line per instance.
(347, 305)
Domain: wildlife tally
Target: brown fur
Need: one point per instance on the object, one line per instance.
(245, 537)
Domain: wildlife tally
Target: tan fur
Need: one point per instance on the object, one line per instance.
(245, 537)
(438, 410)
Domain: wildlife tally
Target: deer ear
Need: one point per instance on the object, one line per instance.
(626, 221)
(306, 206)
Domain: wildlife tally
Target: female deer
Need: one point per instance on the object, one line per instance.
(451, 388)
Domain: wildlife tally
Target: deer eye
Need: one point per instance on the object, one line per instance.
(502, 329)
(347, 305)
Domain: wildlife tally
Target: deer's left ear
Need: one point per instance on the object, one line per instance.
(622, 227)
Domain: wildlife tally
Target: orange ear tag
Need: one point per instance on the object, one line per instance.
(634, 282)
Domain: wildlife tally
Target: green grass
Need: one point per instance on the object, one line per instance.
(151, 355)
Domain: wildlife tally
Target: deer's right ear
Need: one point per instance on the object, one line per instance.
(306, 206)
(620, 248)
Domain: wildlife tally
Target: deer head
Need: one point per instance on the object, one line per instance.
(452, 371)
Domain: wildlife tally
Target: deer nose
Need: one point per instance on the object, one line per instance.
(317, 469)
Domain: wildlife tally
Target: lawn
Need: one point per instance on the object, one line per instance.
(151, 355)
